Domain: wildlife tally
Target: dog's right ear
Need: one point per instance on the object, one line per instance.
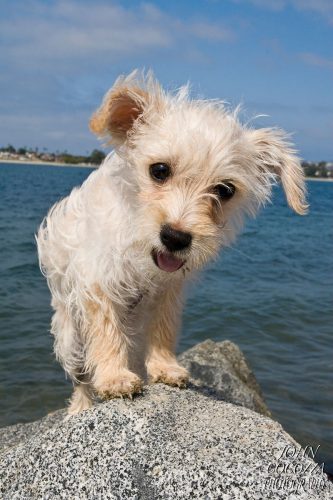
(122, 106)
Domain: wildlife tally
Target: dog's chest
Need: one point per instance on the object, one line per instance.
(141, 308)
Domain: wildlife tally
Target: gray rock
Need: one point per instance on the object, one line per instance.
(221, 367)
(18, 433)
(166, 444)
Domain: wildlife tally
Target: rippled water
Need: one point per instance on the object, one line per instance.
(271, 294)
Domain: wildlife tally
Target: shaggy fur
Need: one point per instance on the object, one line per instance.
(117, 310)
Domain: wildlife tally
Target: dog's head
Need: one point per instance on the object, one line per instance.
(196, 168)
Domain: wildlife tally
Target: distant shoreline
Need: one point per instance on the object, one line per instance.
(49, 163)
(85, 165)
(318, 179)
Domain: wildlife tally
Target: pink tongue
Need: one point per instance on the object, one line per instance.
(168, 262)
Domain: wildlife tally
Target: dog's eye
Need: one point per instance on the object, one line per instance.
(225, 191)
(160, 171)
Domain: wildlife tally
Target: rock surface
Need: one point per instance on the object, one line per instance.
(222, 367)
(166, 444)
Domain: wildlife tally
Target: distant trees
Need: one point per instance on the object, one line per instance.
(19, 151)
(8, 149)
(316, 169)
(70, 159)
(310, 169)
(322, 169)
(96, 157)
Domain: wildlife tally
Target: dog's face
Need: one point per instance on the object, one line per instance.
(196, 170)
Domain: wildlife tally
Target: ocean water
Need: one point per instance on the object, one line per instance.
(271, 294)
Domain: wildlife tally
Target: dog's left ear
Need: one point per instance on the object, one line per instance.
(122, 106)
(274, 154)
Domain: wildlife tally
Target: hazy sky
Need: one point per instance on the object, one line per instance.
(57, 59)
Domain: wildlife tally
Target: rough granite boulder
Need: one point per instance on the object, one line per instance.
(166, 444)
(221, 367)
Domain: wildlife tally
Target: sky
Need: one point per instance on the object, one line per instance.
(58, 58)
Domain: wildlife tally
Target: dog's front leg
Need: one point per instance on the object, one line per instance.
(107, 355)
(162, 365)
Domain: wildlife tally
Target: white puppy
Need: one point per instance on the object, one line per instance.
(117, 250)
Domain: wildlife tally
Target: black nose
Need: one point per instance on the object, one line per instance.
(174, 239)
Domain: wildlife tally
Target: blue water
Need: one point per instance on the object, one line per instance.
(271, 294)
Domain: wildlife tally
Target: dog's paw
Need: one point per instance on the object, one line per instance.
(123, 384)
(174, 375)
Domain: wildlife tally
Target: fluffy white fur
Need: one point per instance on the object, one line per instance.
(117, 313)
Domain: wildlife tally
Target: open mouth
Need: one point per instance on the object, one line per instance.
(167, 261)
